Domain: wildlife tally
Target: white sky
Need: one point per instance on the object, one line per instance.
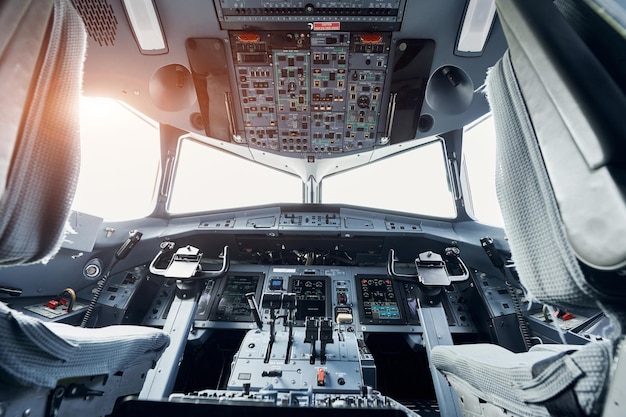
(479, 149)
(120, 161)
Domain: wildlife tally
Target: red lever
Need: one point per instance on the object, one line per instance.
(321, 377)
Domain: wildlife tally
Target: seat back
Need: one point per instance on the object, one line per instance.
(42, 49)
(559, 114)
(532, 221)
(51, 368)
(559, 99)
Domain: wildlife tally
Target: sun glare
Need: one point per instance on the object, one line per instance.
(120, 161)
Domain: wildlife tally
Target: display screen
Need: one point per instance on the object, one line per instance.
(311, 295)
(379, 303)
(233, 305)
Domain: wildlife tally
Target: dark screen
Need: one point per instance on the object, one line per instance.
(233, 305)
(311, 296)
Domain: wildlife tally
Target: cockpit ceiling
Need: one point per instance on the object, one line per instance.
(306, 80)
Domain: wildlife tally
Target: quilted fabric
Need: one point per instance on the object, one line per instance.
(36, 203)
(505, 379)
(545, 262)
(34, 353)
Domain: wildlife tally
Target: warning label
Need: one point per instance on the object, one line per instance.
(326, 25)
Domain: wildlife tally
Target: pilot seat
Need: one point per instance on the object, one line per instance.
(51, 369)
(558, 113)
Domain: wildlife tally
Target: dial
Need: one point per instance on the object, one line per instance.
(363, 101)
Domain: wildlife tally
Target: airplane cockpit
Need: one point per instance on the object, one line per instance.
(366, 207)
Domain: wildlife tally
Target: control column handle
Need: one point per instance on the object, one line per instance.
(184, 263)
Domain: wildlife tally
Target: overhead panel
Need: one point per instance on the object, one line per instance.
(309, 91)
(355, 14)
(313, 78)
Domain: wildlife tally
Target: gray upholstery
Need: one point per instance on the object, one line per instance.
(540, 250)
(537, 177)
(42, 180)
(577, 112)
(37, 356)
(34, 353)
(505, 379)
(531, 217)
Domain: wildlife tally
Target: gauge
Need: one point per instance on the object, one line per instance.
(378, 301)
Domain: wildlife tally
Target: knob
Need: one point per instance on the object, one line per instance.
(93, 269)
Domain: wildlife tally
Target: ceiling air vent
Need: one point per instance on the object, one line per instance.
(99, 18)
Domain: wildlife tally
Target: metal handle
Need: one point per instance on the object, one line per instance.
(185, 263)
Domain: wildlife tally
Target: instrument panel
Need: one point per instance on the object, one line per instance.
(378, 300)
(367, 299)
(309, 91)
(231, 304)
(312, 296)
(236, 13)
(319, 79)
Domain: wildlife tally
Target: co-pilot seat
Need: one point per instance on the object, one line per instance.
(560, 135)
(51, 368)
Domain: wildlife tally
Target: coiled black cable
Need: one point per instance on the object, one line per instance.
(121, 253)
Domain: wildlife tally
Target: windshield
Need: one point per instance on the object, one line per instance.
(208, 179)
(413, 181)
(119, 161)
(479, 156)
(411, 178)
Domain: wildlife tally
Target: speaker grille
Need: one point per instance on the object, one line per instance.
(100, 20)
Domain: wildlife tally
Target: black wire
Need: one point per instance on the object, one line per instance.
(521, 320)
(96, 296)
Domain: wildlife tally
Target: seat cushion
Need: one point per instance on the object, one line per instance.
(521, 382)
(34, 353)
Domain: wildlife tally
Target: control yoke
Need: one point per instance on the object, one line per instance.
(185, 263)
(431, 268)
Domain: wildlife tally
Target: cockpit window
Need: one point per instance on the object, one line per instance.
(479, 156)
(414, 181)
(119, 161)
(208, 179)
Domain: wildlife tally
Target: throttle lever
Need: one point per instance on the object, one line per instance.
(254, 309)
